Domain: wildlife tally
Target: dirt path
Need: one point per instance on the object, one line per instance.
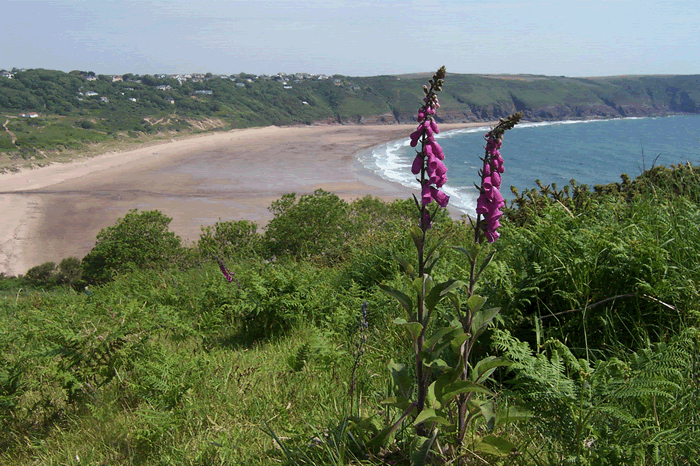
(12, 135)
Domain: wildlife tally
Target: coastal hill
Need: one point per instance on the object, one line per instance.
(47, 113)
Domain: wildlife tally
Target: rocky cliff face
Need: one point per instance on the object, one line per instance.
(601, 110)
(543, 98)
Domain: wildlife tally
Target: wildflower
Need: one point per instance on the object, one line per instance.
(490, 201)
(429, 160)
(222, 267)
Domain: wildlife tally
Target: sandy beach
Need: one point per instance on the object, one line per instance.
(55, 212)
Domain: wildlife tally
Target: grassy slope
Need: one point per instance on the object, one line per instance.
(157, 367)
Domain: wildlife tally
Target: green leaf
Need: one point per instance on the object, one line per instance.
(482, 319)
(488, 410)
(420, 448)
(400, 377)
(430, 343)
(405, 301)
(457, 341)
(430, 263)
(485, 264)
(475, 302)
(417, 236)
(414, 328)
(426, 281)
(494, 445)
(462, 386)
(437, 364)
(439, 291)
(443, 381)
(400, 402)
(433, 252)
(471, 254)
(484, 368)
(430, 415)
(410, 270)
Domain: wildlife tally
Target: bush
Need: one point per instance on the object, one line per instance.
(230, 239)
(317, 224)
(139, 240)
(70, 271)
(41, 273)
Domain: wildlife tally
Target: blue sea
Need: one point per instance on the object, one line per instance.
(591, 152)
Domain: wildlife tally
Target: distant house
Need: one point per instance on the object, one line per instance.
(6, 74)
(116, 79)
(287, 87)
(132, 99)
(164, 87)
(91, 78)
(90, 93)
(104, 99)
(29, 115)
(204, 91)
(172, 101)
(240, 84)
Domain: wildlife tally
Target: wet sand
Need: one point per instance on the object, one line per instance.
(55, 212)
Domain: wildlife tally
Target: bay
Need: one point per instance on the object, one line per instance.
(591, 152)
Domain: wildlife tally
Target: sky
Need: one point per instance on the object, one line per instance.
(353, 37)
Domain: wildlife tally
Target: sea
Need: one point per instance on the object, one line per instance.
(588, 151)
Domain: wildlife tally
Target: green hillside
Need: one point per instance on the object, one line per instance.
(77, 109)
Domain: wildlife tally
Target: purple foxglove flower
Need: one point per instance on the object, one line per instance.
(498, 199)
(434, 126)
(426, 196)
(415, 136)
(441, 198)
(437, 150)
(440, 168)
(482, 205)
(496, 179)
(487, 186)
(491, 236)
(428, 150)
(226, 273)
(417, 164)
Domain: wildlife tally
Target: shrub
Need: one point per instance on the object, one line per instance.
(69, 271)
(138, 240)
(230, 238)
(41, 273)
(317, 224)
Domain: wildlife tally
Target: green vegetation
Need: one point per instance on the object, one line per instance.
(166, 362)
(77, 111)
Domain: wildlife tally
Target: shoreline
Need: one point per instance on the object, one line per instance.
(55, 212)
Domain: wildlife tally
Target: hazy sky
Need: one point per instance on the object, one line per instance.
(353, 37)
